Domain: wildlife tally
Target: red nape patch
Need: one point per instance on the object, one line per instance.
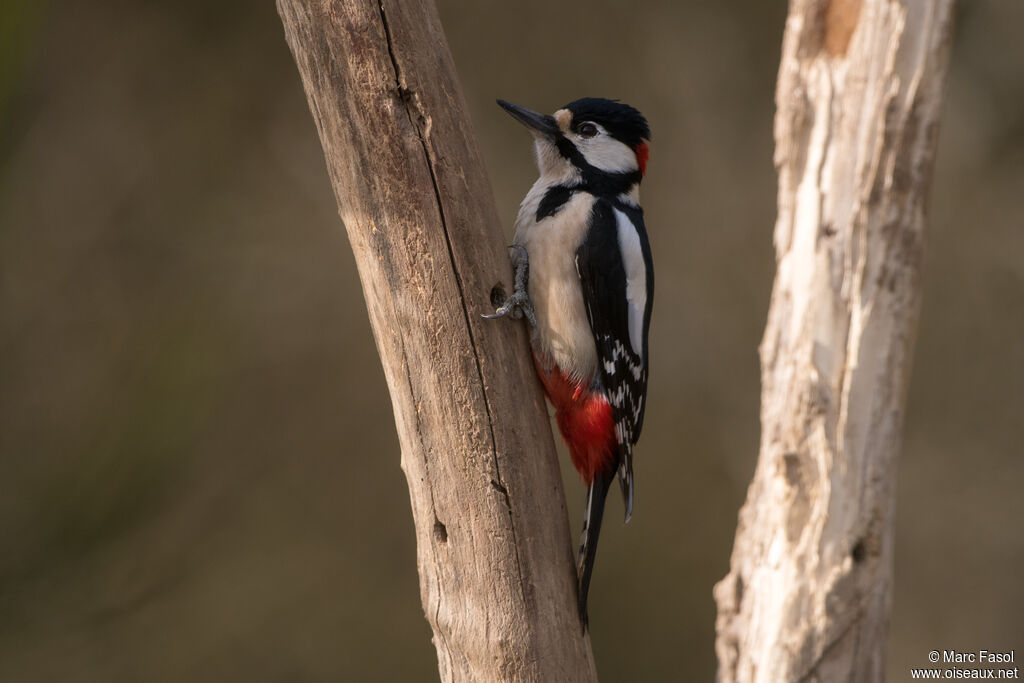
(643, 153)
(585, 420)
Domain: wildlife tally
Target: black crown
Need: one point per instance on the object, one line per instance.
(621, 120)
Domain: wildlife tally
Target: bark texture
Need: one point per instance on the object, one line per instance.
(809, 588)
(495, 561)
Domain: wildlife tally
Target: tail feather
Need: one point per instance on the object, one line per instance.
(592, 516)
(626, 481)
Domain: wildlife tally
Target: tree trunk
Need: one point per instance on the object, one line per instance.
(497, 578)
(808, 593)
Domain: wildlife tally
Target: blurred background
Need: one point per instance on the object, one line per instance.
(200, 475)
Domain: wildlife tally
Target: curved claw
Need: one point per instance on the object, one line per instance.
(524, 256)
(500, 313)
(518, 305)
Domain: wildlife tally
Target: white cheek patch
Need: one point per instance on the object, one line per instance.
(636, 280)
(608, 154)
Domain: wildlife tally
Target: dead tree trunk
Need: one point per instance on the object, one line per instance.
(496, 570)
(808, 593)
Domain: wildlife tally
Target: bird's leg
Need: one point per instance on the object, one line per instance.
(518, 304)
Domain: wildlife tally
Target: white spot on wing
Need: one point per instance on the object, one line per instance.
(636, 279)
(637, 371)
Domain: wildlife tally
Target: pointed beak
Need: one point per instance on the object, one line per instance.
(541, 123)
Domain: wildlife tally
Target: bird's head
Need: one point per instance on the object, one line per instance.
(589, 136)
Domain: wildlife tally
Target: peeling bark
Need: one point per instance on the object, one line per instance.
(497, 578)
(808, 593)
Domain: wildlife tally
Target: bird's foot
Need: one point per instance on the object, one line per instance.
(518, 305)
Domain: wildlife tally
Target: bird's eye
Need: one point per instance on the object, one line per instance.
(587, 129)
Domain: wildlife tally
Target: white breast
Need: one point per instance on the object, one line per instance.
(563, 332)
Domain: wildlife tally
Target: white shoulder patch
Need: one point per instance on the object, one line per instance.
(636, 279)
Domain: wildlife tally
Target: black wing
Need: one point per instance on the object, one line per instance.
(619, 312)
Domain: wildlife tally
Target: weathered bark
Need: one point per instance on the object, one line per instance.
(496, 569)
(808, 593)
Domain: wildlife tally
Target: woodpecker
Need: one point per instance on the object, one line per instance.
(585, 281)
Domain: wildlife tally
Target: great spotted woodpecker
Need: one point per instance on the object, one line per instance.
(585, 280)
